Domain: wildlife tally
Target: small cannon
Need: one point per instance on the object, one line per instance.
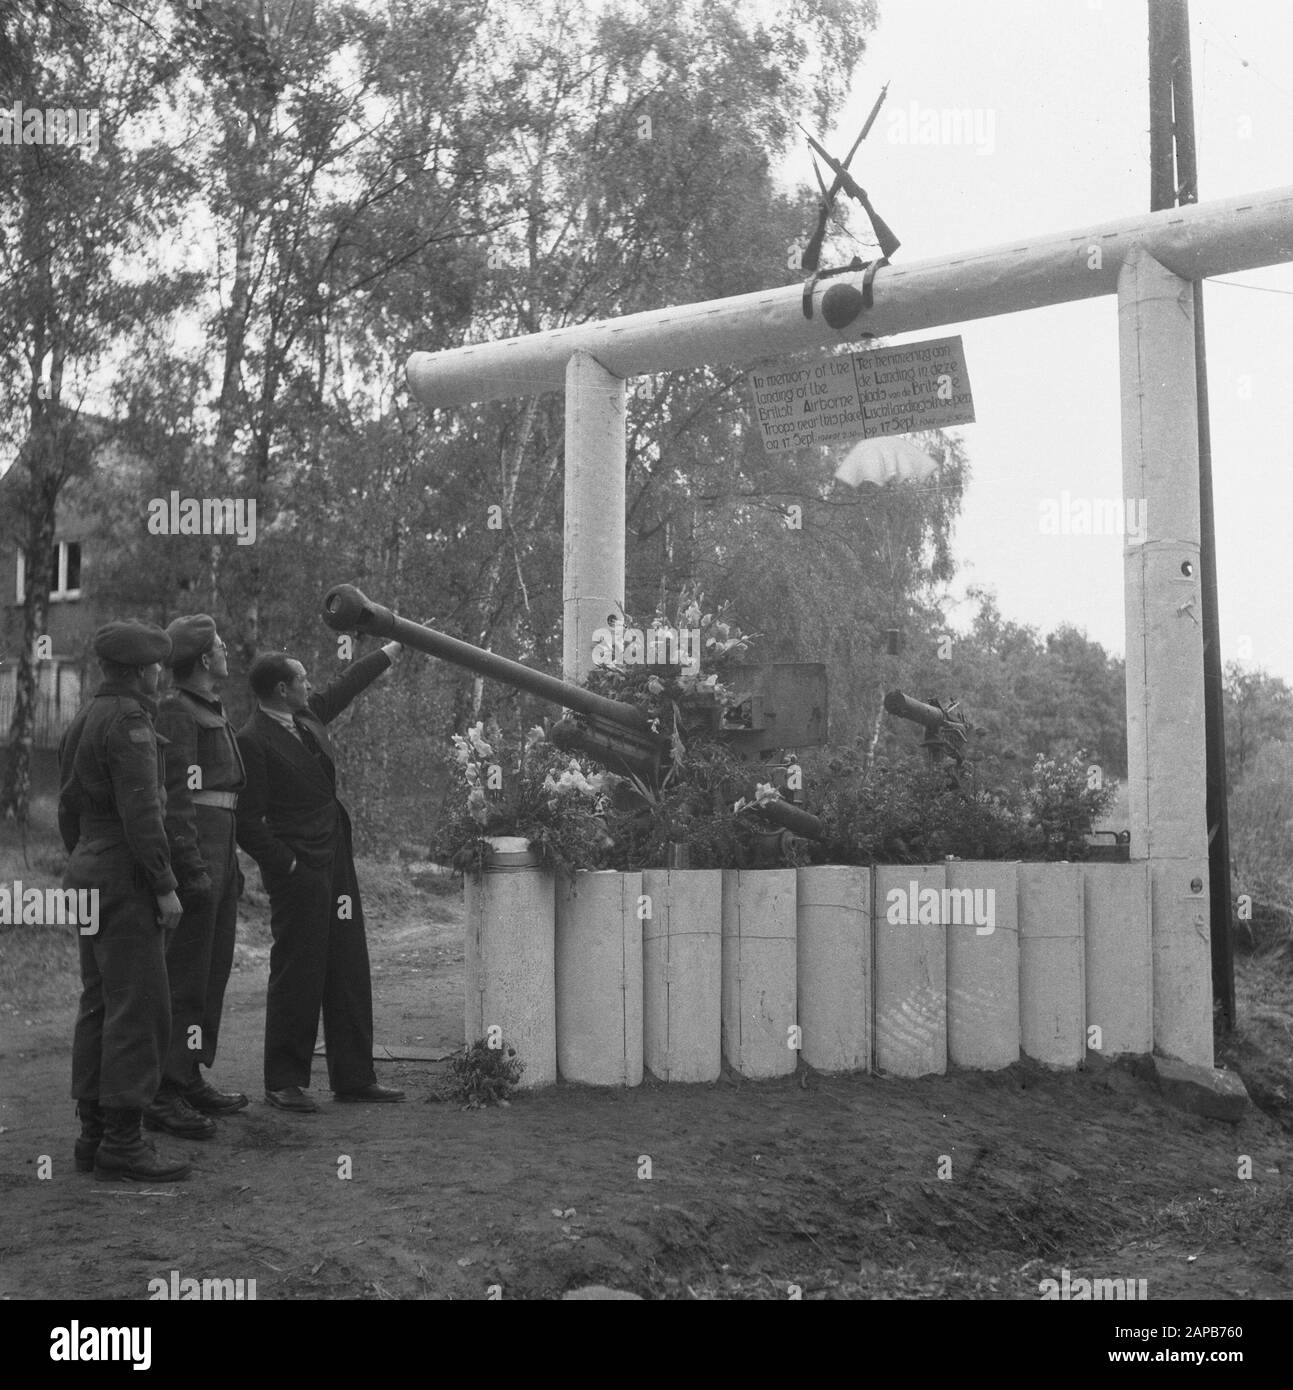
(778, 706)
(947, 730)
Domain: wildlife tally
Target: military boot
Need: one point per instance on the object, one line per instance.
(125, 1153)
(173, 1114)
(202, 1096)
(91, 1113)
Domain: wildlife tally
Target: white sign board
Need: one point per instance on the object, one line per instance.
(868, 395)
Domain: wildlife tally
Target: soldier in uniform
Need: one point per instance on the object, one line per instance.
(204, 774)
(111, 817)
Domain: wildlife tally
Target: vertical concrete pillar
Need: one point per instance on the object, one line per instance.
(1165, 733)
(1052, 964)
(599, 978)
(682, 968)
(759, 962)
(593, 567)
(982, 964)
(910, 969)
(1119, 958)
(509, 957)
(833, 966)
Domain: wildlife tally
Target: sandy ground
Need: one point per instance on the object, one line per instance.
(814, 1186)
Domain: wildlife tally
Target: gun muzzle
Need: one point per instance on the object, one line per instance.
(793, 818)
(930, 716)
(345, 609)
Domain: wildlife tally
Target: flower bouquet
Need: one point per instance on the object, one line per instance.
(532, 791)
(691, 806)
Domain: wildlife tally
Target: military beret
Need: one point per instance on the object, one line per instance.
(190, 637)
(132, 643)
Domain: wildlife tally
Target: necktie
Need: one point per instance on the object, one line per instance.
(307, 738)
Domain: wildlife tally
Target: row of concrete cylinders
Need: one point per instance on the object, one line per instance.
(676, 969)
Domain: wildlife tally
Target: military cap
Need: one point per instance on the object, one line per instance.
(132, 643)
(190, 636)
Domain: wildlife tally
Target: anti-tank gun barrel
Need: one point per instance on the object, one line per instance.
(616, 732)
(930, 716)
(346, 609)
(787, 816)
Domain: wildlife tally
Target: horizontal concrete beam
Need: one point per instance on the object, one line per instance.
(1216, 238)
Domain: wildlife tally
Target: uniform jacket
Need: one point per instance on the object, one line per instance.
(197, 735)
(289, 809)
(112, 794)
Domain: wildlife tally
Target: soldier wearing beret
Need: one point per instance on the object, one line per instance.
(204, 775)
(292, 824)
(111, 809)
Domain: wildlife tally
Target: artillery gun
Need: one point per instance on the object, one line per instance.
(779, 706)
(947, 730)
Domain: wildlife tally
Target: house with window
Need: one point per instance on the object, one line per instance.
(71, 621)
(67, 671)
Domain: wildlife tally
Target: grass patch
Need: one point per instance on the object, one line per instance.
(1246, 1212)
(39, 968)
(39, 965)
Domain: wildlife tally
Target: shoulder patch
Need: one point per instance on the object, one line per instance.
(140, 736)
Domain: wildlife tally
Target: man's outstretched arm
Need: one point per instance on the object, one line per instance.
(358, 676)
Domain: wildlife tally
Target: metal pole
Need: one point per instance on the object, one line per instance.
(1162, 160)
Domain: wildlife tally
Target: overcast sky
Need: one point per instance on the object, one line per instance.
(1059, 88)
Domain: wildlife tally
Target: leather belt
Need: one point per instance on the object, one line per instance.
(227, 801)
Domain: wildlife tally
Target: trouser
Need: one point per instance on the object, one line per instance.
(199, 955)
(318, 963)
(123, 1022)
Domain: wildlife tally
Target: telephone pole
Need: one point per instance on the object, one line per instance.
(1173, 181)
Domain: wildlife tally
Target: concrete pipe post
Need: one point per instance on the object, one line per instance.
(1165, 731)
(593, 582)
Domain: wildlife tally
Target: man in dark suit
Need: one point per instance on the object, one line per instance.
(292, 824)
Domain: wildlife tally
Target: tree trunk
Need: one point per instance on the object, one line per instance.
(15, 794)
(875, 732)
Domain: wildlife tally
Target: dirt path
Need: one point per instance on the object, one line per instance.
(827, 1184)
